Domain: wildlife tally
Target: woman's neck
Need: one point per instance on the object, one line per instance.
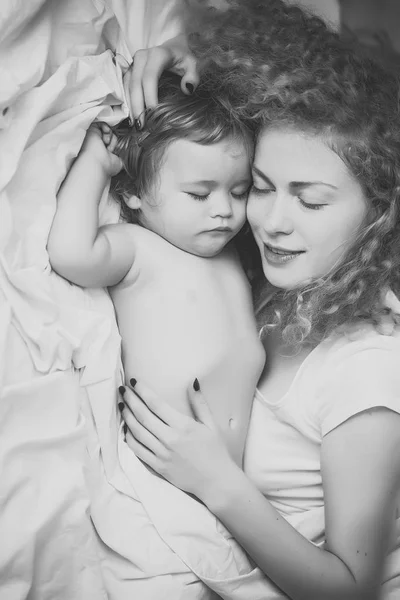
(282, 363)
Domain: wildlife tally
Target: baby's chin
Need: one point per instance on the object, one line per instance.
(204, 248)
(210, 251)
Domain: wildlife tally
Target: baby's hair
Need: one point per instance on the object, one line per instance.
(285, 69)
(203, 117)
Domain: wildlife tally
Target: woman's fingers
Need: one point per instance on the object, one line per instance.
(200, 408)
(140, 433)
(158, 407)
(142, 452)
(183, 62)
(158, 59)
(190, 77)
(133, 84)
(141, 80)
(142, 413)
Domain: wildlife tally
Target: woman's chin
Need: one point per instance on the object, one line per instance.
(282, 280)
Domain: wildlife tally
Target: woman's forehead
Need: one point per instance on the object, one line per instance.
(298, 154)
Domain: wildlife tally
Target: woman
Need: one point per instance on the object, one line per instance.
(316, 505)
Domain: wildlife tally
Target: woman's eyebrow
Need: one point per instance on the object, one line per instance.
(294, 185)
(304, 184)
(262, 175)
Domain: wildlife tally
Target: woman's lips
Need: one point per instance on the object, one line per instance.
(280, 256)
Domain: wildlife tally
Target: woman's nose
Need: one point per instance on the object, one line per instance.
(278, 217)
(221, 206)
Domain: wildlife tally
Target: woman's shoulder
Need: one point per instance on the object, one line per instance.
(357, 356)
(355, 369)
(360, 357)
(355, 339)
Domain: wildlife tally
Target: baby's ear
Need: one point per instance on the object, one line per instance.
(133, 202)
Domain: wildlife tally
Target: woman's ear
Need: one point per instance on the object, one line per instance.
(134, 202)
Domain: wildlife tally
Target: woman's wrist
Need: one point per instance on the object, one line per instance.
(222, 491)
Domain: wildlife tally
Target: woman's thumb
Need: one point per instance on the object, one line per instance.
(190, 77)
(198, 403)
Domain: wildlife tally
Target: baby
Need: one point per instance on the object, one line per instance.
(182, 300)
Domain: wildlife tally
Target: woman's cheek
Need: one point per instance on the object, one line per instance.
(253, 217)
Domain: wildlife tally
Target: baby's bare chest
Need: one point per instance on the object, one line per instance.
(188, 323)
(182, 298)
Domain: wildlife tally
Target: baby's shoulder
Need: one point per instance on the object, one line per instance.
(142, 235)
(149, 246)
(152, 242)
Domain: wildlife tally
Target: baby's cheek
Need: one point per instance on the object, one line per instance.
(243, 215)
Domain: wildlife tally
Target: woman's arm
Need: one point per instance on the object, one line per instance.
(78, 249)
(360, 479)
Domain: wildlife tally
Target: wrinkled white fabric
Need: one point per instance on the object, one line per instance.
(57, 76)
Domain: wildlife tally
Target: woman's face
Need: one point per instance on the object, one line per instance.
(305, 208)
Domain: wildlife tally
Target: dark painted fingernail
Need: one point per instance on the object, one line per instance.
(121, 406)
(190, 87)
(132, 382)
(196, 385)
(138, 124)
(122, 389)
(125, 428)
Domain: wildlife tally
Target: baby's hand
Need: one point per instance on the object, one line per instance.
(100, 143)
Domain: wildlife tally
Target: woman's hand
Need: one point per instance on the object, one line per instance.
(188, 452)
(141, 80)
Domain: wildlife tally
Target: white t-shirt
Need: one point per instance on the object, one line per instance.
(342, 376)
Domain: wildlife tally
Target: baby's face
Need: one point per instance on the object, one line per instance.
(199, 203)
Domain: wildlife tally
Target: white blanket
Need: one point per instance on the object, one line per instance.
(57, 76)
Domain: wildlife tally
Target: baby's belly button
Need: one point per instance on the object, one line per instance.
(235, 425)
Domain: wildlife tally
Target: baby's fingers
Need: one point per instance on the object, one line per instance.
(111, 141)
(106, 133)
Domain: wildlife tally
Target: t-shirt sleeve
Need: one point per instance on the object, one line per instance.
(368, 377)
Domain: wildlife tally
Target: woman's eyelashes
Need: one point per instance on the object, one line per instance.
(310, 206)
(258, 191)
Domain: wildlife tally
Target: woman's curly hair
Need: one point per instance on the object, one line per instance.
(285, 68)
(202, 117)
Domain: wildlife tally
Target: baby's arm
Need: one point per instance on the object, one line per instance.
(78, 249)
